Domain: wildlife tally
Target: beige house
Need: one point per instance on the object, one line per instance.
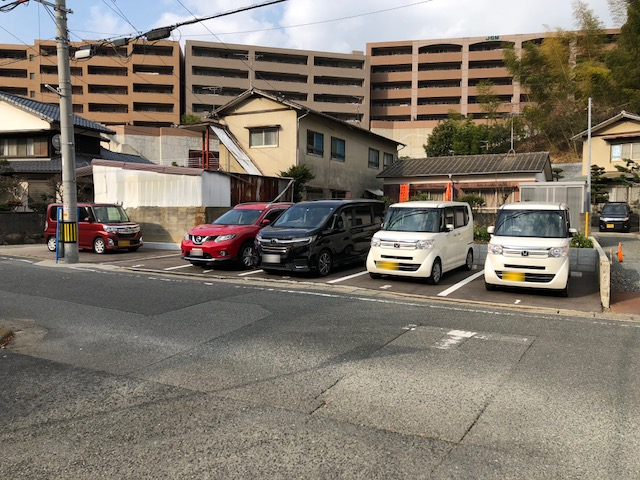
(613, 142)
(268, 134)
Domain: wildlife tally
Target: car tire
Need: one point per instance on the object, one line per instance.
(51, 244)
(324, 263)
(436, 273)
(99, 245)
(468, 264)
(247, 255)
(489, 287)
(268, 271)
(375, 276)
(565, 291)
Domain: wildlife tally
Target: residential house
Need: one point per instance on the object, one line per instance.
(29, 132)
(269, 134)
(496, 177)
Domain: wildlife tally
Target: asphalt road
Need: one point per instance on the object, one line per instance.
(120, 374)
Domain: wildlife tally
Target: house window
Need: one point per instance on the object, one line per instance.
(374, 158)
(387, 159)
(337, 149)
(23, 147)
(263, 137)
(625, 151)
(315, 143)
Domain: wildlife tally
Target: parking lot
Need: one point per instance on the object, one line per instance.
(458, 285)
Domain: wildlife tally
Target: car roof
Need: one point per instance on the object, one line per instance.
(261, 205)
(339, 202)
(535, 206)
(429, 204)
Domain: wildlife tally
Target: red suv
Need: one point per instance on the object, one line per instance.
(231, 237)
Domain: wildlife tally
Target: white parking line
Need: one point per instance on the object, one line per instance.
(458, 285)
(342, 279)
(179, 266)
(251, 272)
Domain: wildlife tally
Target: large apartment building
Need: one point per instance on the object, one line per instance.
(332, 83)
(416, 83)
(134, 84)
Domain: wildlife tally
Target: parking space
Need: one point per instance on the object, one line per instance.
(455, 285)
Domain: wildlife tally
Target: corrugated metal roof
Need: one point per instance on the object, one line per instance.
(468, 165)
(234, 148)
(50, 113)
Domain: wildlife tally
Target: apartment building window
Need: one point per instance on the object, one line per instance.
(625, 151)
(153, 69)
(10, 72)
(338, 149)
(374, 158)
(153, 107)
(110, 71)
(263, 137)
(23, 147)
(388, 159)
(315, 143)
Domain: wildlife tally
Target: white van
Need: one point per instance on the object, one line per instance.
(529, 247)
(422, 240)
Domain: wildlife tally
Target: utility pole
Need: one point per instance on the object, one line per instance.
(588, 192)
(69, 227)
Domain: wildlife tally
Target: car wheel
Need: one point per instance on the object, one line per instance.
(436, 273)
(468, 264)
(133, 249)
(324, 263)
(565, 291)
(247, 256)
(375, 276)
(99, 245)
(51, 244)
(489, 286)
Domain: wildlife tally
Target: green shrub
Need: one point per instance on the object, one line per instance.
(480, 234)
(579, 240)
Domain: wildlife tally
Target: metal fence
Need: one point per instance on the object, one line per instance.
(571, 193)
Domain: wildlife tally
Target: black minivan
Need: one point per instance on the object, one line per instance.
(314, 236)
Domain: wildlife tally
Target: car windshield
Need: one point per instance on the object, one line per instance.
(412, 220)
(238, 216)
(110, 214)
(614, 209)
(531, 223)
(304, 216)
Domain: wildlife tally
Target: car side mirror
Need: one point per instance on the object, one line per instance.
(573, 232)
(449, 227)
(265, 222)
(491, 229)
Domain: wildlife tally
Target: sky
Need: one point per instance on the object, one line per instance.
(339, 26)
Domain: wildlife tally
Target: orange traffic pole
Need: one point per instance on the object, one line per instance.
(620, 256)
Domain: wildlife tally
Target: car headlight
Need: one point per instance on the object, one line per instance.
(495, 249)
(558, 252)
(304, 241)
(110, 229)
(375, 242)
(224, 238)
(424, 244)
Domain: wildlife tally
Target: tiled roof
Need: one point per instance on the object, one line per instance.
(50, 113)
(468, 165)
(82, 160)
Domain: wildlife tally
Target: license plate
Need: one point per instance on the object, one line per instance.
(610, 225)
(124, 243)
(196, 252)
(270, 258)
(388, 265)
(513, 276)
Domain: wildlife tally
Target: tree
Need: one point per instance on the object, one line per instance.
(556, 174)
(624, 60)
(489, 101)
(599, 193)
(11, 192)
(560, 74)
(301, 175)
(189, 119)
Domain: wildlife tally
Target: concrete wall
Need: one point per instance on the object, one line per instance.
(17, 228)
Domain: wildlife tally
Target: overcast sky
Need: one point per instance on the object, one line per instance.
(338, 26)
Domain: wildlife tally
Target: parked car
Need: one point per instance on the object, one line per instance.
(101, 227)
(529, 247)
(422, 240)
(617, 216)
(315, 236)
(231, 237)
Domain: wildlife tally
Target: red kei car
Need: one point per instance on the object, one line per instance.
(230, 237)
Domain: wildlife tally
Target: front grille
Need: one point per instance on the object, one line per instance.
(278, 249)
(395, 257)
(533, 277)
(525, 267)
(126, 235)
(401, 245)
(200, 239)
(531, 252)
